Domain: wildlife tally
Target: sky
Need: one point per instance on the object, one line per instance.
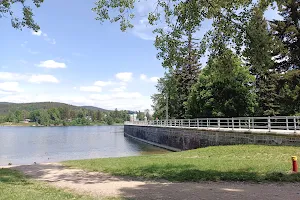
(76, 60)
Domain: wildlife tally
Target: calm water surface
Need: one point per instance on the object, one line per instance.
(26, 145)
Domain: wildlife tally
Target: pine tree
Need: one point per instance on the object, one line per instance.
(186, 76)
(258, 53)
(288, 32)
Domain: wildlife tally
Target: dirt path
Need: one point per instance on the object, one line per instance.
(99, 184)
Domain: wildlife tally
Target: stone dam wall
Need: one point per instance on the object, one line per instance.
(177, 139)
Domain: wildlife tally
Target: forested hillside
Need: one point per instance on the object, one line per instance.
(6, 107)
(53, 113)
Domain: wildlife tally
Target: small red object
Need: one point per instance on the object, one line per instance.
(295, 164)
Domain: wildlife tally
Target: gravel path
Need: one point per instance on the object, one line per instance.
(102, 185)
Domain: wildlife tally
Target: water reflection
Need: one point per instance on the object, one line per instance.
(26, 145)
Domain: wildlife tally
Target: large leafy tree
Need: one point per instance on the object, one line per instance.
(220, 93)
(227, 16)
(27, 14)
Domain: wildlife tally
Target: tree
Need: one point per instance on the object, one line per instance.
(99, 116)
(140, 116)
(288, 32)
(167, 88)
(27, 15)
(18, 116)
(221, 93)
(260, 46)
(148, 115)
(288, 89)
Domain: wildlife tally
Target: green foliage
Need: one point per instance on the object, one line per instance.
(167, 88)
(223, 93)
(288, 90)
(288, 32)
(6, 9)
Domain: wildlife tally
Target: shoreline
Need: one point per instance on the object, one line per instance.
(14, 125)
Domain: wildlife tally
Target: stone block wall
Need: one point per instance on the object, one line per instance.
(188, 138)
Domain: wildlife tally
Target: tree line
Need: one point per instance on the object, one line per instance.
(260, 79)
(66, 116)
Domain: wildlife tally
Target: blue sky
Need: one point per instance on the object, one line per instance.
(76, 60)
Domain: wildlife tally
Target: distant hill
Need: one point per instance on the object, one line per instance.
(93, 108)
(6, 107)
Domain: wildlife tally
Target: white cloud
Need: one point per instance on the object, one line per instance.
(100, 100)
(100, 97)
(10, 87)
(154, 79)
(52, 64)
(43, 79)
(38, 33)
(32, 78)
(126, 95)
(124, 76)
(90, 89)
(143, 77)
(119, 89)
(103, 83)
(8, 76)
(45, 36)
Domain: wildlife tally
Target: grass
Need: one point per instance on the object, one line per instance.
(226, 163)
(15, 186)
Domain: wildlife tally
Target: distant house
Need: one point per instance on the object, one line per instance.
(133, 117)
(26, 121)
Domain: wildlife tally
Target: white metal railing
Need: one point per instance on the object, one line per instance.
(288, 124)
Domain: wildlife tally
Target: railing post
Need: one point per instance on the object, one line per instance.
(227, 123)
(295, 125)
(249, 122)
(182, 123)
(287, 123)
(269, 123)
(239, 123)
(197, 123)
(189, 123)
(253, 123)
(219, 123)
(232, 120)
(175, 122)
(207, 122)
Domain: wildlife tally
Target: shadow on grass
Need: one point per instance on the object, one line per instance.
(185, 173)
(163, 189)
(170, 172)
(14, 177)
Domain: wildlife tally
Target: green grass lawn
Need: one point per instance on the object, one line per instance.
(15, 186)
(227, 163)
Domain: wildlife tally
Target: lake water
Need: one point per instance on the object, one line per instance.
(26, 145)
